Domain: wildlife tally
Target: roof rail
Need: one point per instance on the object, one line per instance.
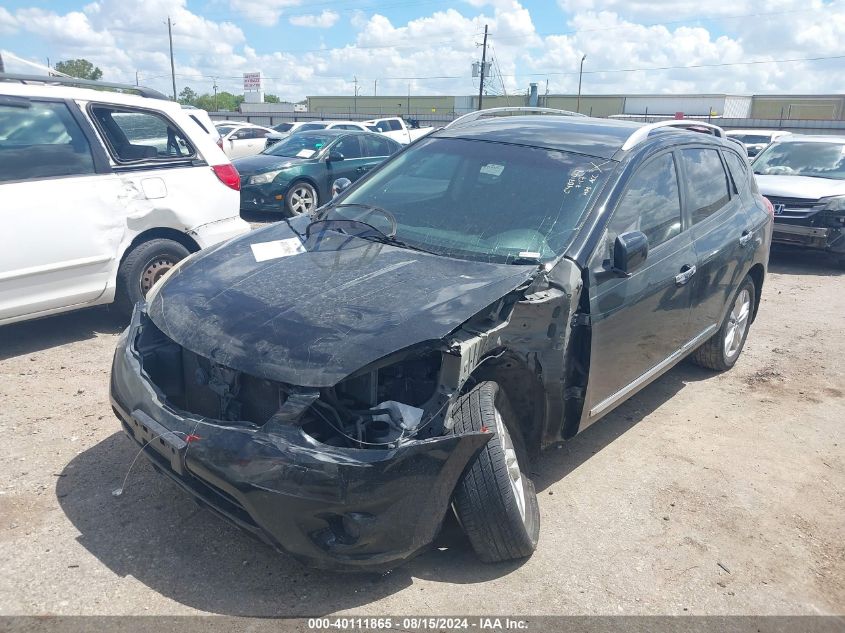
(83, 83)
(474, 116)
(642, 133)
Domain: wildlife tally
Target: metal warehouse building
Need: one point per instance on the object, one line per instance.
(783, 107)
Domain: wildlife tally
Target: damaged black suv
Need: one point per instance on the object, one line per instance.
(334, 383)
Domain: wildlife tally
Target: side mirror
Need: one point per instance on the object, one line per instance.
(335, 156)
(339, 186)
(629, 253)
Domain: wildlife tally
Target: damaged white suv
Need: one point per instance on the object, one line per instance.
(102, 192)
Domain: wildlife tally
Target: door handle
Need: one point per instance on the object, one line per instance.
(685, 275)
(745, 237)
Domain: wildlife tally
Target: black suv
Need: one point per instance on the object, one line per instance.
(333, 382)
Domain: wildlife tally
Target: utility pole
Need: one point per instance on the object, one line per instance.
(215, 94)
(49, 74)
(409, 100)
(375, 87)
(172, 67)
(136, 77)
(483, 63)
(355, 98)
(580, 74)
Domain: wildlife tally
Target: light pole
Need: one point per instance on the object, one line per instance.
(580, 74)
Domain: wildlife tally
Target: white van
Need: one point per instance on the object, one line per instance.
(101, 193)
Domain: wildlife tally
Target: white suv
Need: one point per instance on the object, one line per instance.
(102, 193)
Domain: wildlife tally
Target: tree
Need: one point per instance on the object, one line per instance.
(80, 68)
(225, 101)
(268, 98)
(188, 96)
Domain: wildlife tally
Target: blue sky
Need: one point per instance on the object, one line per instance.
(320, 46)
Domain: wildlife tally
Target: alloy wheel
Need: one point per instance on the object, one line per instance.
(512, 465)
(737, 323)
(302, 199)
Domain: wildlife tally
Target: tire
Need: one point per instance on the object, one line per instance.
(301, 198)
(141, 268)
(500, 523)
(722, 350)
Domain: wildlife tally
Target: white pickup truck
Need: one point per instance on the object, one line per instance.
(396, 128)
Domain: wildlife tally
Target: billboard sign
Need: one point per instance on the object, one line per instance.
(252, 81)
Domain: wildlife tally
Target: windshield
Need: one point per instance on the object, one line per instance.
(283, 127)
(824, 160)
(300, 145)
(224, 129)
(751, 139)
(481, 200)
(312, 126)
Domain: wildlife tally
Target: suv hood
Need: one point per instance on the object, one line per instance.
(313, 317)
(808, 187)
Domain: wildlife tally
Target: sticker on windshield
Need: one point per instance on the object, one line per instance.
(492, 169)
(263, 251)
(305, 153)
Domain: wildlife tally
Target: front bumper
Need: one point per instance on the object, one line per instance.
(813, 237)
(329, 507)
(262, 198)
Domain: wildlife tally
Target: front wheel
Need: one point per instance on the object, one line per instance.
(722, 350)
(301, 198)
(495, 500)
(141, 268)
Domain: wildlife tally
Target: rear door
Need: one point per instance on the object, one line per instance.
(376, 149)
(244, 142)
(354, 164)
(640, 323)
(58, 238)
(721, 232)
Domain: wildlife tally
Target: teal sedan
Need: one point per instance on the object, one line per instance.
(296, 174)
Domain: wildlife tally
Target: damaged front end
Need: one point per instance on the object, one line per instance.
(317, 416)
(317, 473)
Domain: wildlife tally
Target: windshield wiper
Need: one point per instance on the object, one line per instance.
(394, 241)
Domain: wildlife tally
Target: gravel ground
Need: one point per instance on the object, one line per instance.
(704, 494)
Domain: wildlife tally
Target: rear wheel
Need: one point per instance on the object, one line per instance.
(141, 268)
(301, 198)
(495, 500)
(722, 350)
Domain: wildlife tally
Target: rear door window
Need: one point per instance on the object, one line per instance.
(141, 135)
(378, 146)
(42, 140)
(707, 182)
(349, 147)
(651, 203)
(740, 173)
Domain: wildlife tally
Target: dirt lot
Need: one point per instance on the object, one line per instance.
(705, 494)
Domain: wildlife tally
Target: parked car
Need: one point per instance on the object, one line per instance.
(102, 193)
(335, 383)
(755, 140)
(396, 128)
(244, 139)
(308, 126)
(804, 178)
(296, 174)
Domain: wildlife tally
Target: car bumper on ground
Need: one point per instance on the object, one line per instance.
(330, 507)
(219, 231)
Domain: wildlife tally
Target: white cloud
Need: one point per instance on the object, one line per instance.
(265, 12)
(433, 53)
(324, 20)
(8, 22)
